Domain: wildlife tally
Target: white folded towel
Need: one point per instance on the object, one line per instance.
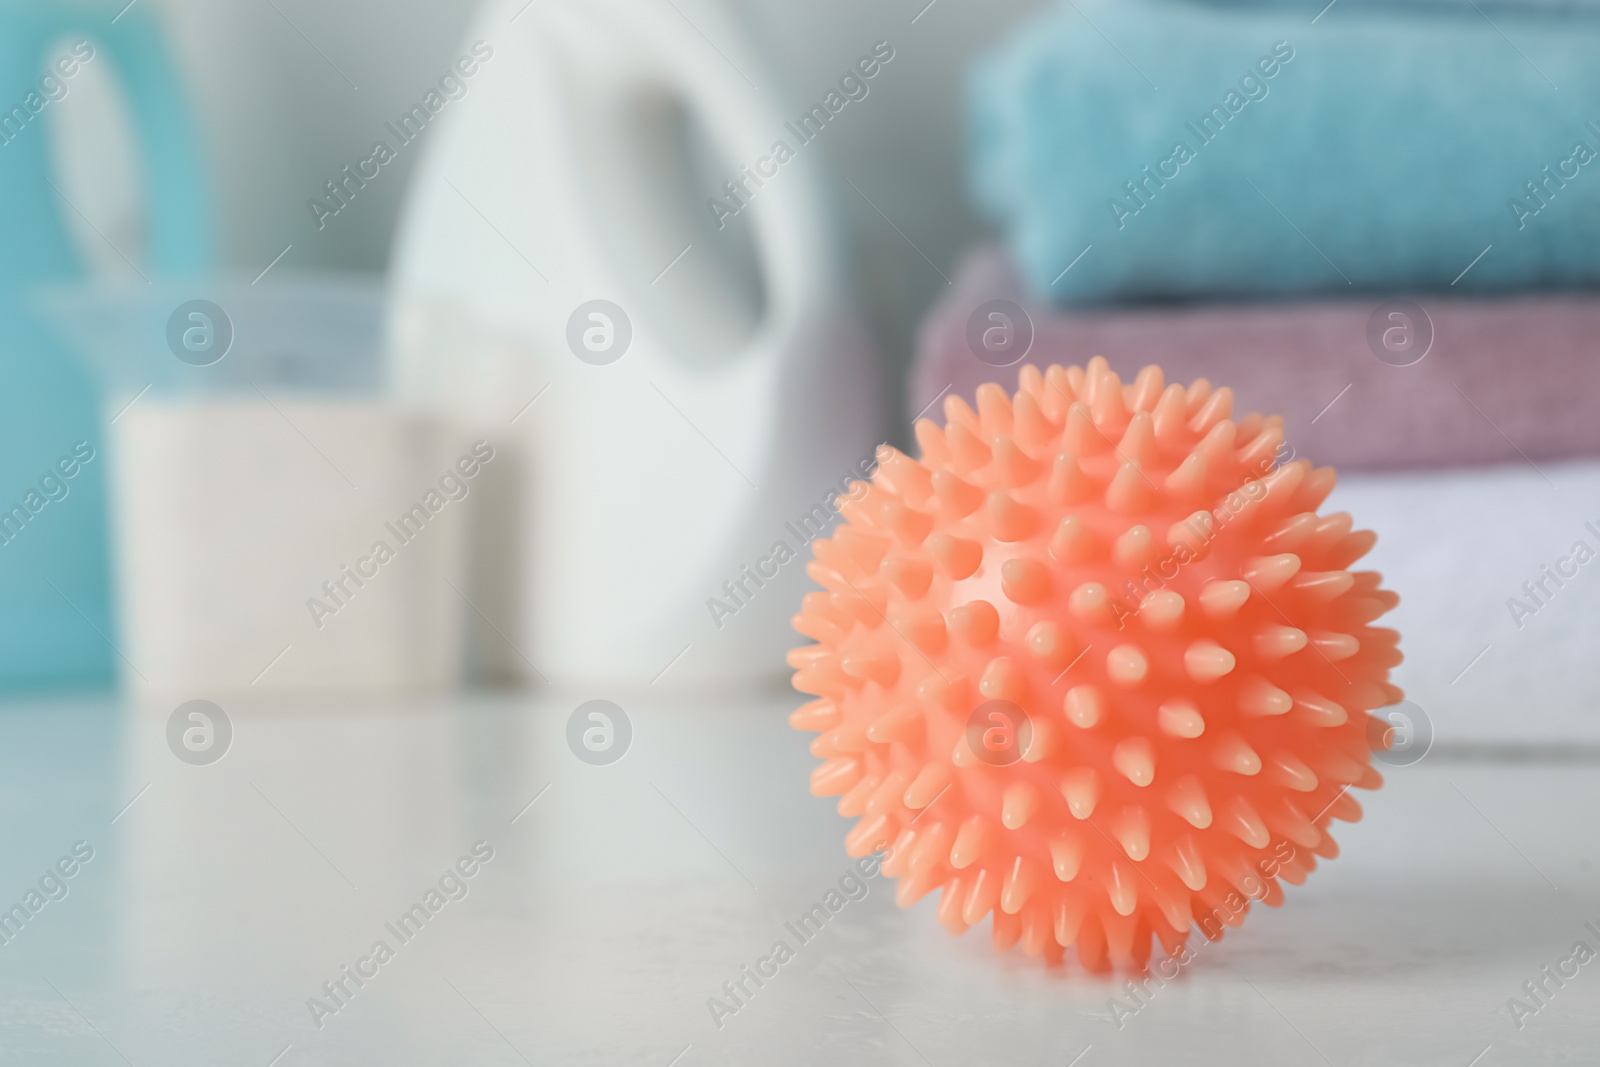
(1499, 613)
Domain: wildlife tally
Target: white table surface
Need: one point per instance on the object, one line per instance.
(225, 895)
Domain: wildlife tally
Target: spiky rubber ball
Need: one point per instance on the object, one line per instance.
(1094, 665)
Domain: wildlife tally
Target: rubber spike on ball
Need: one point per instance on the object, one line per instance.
(1097, 662)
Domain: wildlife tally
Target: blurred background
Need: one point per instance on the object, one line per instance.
(264, 115)
(393, 394)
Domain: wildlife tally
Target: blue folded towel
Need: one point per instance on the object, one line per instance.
(1159, 148)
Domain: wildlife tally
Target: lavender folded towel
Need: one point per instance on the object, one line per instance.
(1504, 380)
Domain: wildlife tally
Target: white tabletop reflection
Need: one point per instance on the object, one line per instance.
(536, 907)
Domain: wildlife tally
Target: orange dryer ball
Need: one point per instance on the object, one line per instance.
(1095, 665)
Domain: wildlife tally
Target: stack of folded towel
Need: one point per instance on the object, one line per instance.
(1382, 222)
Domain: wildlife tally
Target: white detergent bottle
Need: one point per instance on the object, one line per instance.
(609, 267)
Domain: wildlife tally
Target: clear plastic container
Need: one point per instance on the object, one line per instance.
(278, 523)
